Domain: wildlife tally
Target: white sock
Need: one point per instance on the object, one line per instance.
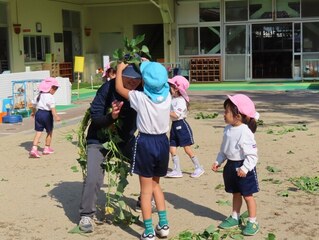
(252, 219)
(177, 166)
(235, 215)
(195, 162)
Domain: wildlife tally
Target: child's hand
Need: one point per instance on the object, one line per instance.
(32, 114)
(121, 66)
(57, 118)
(215, 167)
(116, 108)
(240, 173)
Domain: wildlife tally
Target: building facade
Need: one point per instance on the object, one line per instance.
(207, 40)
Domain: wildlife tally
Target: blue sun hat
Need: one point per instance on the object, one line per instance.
(155, 79)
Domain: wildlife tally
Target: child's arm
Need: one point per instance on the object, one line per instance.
(55, 115)
(173, 115)
(119, 81)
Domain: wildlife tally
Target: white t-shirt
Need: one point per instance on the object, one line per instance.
(152, 118)
(239, 144)
(46, 102)
(179, 106)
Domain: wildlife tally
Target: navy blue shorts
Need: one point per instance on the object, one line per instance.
(151, 155)
(234, 184)
(181, 134)
(43, 120)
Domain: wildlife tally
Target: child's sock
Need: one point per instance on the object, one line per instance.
(195, 162)
(162, 218)
(252, 219)
(177, 165)
(148, 226)
(34, 147)
(235, 215)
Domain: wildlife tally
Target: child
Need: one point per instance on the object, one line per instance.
(181, 134)
(240, 150)
(44, 112)
(151, 154)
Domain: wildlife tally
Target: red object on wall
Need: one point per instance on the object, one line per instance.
(87, 31)
(17, 28)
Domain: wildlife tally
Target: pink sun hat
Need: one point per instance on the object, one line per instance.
(47, 83)
(182, 84)
(245, 105)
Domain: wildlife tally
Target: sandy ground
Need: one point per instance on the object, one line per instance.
(39, 198)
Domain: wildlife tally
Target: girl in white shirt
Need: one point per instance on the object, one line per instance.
(181, 134)
(44, 113)
(240, 150)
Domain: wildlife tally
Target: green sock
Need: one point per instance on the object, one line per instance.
(148, 226)
(162, 218)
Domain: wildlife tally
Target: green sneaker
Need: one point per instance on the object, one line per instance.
(251, 229)
(229, 223)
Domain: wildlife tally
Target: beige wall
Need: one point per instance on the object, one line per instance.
(105, 19)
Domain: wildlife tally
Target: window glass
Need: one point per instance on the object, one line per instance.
(35, 47)
(310, 8)
(297, 37)
(236, 10)
(209, 40)
(288, 8)
(188, 41)
(3, 13)
(235, 39)
(209, 12)
(260, 9)
(310, 37)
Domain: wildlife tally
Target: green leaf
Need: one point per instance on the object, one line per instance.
(74, 169)
(273, 169)
(77, 230)
(271, 236)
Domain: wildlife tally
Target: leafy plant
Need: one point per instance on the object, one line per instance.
(202, 115)
(223, 202)
(273, 169)
(131, 53)
(286, 130)
(307, 184)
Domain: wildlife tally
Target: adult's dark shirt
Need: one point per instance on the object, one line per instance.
(101, 117)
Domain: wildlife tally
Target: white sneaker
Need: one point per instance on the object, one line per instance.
(150, 236)
(174, 174)
(198, 172)
(86, 224)
(163, 231)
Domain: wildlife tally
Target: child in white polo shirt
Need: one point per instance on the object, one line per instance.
(151, 153)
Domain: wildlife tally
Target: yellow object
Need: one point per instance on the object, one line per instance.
(109, 210)
(79, 64)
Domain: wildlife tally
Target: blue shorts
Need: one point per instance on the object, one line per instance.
(151, 155)
(43, 120)
(181, 134)
(234, 184)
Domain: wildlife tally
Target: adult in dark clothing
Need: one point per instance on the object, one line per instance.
(101, 118)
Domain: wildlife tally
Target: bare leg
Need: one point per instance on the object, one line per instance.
(146, 185)
(48, 139)
(36, 138)
(158, 195)
(251, 206)
(237, 202)
(188, 150)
